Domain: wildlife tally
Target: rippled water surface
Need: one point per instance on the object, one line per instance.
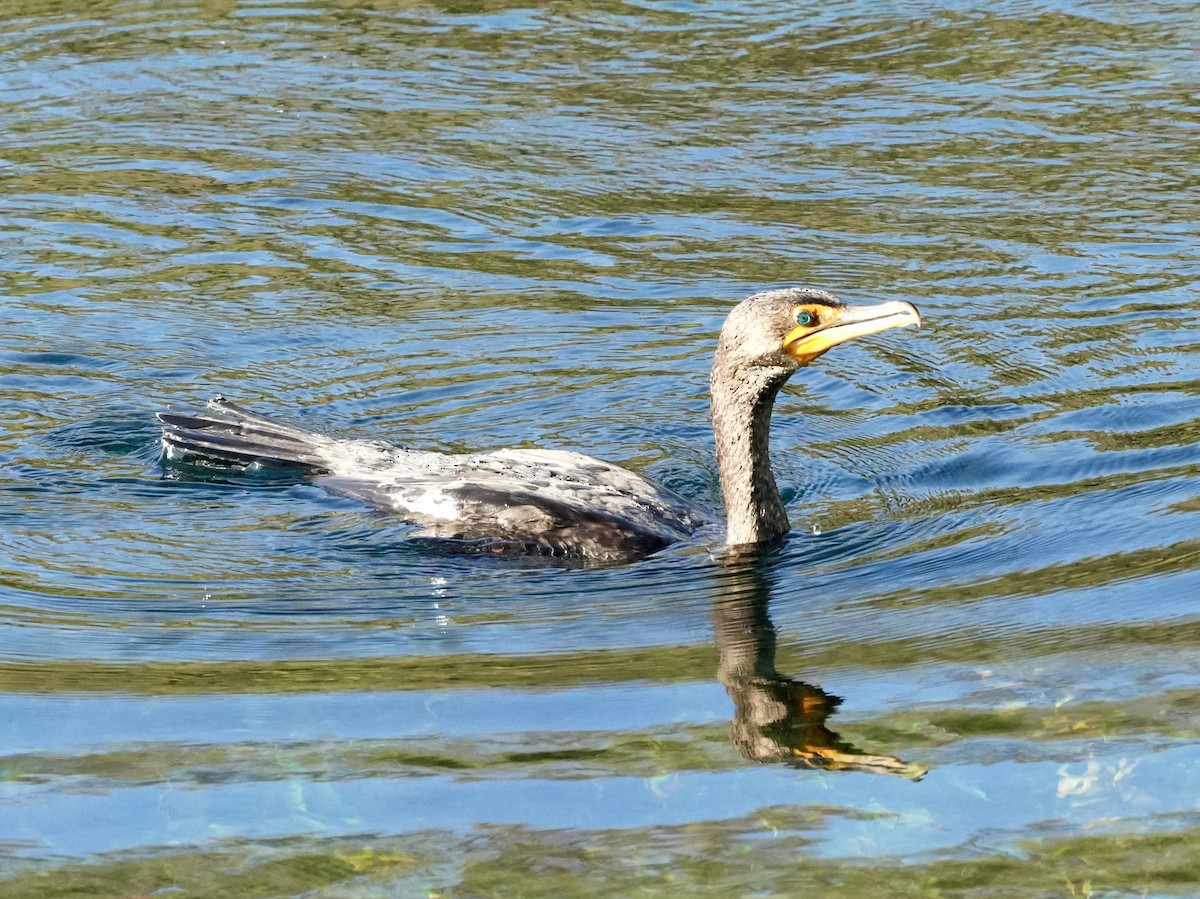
(466, 225)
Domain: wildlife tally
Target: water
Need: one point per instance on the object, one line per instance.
(466, 225)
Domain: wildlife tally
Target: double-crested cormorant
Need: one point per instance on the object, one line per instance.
(558, 503)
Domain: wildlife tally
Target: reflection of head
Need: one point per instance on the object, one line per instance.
(773, 715)
(777, 719)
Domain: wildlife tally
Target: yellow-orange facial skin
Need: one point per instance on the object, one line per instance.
(827, 326)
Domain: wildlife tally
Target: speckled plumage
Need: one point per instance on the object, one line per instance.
(537, 502)
(550, 502)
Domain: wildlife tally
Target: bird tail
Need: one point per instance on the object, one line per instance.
(229, 434)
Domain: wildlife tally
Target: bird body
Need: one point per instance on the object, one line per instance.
(524, 501)
(556, 503)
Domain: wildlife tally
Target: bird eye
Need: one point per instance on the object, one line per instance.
(804, 317)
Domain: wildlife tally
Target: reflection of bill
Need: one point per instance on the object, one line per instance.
(777, 719)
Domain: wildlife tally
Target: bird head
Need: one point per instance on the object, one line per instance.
(788, 329)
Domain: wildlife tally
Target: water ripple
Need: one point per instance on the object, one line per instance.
(465, 226)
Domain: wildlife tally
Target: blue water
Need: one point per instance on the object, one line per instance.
(468, 226)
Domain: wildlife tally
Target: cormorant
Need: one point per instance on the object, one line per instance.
(566, 504)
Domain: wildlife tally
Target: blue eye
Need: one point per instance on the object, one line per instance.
(803, 317)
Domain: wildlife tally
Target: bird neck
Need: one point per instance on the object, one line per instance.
(741, 411)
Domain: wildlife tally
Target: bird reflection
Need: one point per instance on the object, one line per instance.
(776, 718)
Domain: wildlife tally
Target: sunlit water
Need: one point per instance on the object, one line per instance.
(470, 225)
